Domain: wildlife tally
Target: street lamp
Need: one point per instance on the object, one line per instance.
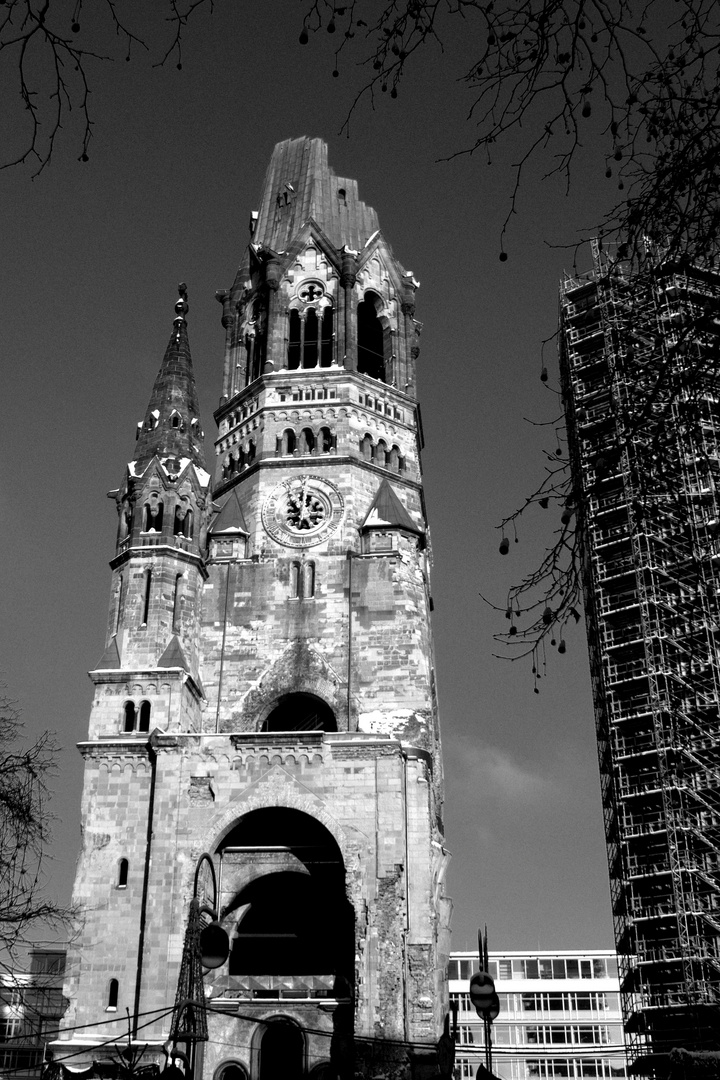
(484, 997)
(206, 946)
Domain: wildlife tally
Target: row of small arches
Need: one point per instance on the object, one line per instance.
(387, 457)
(153, 516)
(306, 442)
(234, 463)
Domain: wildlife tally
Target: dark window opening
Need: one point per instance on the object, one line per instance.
(130, 716)
(307, 441)
(301, 712)
(122, 880)
(326, 343)
(288, 441)
(326, 440)
(176, 602)
(308, 580)
(232, 1071)
(113, 990)
(175, 420)
(146, 599)
(153, 517)
(366, 447)
(381, 454)
(282, 1049)
(294, 340)
(144, 724)
(295, 918)
(182, 525)
(310, 339)
(370, 339)
(294, 580)
(312, 334)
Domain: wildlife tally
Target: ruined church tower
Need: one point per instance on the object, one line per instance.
(267, 688)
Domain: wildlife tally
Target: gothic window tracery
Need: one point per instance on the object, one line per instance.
(310, 328)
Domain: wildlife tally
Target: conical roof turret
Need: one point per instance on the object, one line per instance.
(171, 428)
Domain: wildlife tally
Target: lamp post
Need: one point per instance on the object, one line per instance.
(206, 947)
(484, 997)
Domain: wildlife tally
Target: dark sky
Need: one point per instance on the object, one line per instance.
(91, 254)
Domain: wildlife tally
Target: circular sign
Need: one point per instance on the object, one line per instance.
(302, 511)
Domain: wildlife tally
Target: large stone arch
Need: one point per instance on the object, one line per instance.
(300, 669)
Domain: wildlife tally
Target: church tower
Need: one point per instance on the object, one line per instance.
(267, 690)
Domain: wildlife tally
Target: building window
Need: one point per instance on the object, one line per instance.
(370, 338)
(153, 515)
(113, 989)
(231, 1070)
(130, 716)
(146, 597)
(300, 712)
(144, 724)
(310, 338)
(177, 599)
(122, 874)
(302, 580)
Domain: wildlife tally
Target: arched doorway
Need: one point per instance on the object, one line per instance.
(283, 898)
(282, 1049)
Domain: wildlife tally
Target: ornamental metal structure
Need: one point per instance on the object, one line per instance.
(639, 369)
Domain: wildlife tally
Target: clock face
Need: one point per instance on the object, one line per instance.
(302, 511)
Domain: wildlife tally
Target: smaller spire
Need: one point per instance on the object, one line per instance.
(171, 428)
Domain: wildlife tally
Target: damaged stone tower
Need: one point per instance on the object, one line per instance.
(267, 690)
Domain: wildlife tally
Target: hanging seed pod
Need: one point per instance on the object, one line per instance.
(508, 613)
(504, 546)
(561, 646)
(304, 36)
(544, 503)
(547, 616)
(512, 631)
(544, 375)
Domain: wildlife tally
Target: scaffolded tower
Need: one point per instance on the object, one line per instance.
(639, 367)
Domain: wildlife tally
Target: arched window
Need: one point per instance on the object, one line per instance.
(380, 455)
(294, 580)
(113, 989)
(122, 880)
(177, 598)
(326, 341)
(326, 440)
(289, 441)
(250, 452)
(366, 447)
(188, 524)
(294, 340)
(120, 601)
(312, 336)
(153, 516)
(282, 1049)
(393, 459)
(144, 722)
(175, 419)
(300, 712)
(308, 580)
(370, 338)
(231, 1070)
(146, 598)
(307, 441)
(130, 716)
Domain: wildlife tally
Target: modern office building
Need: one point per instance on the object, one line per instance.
(31, 1007)
(266, 689)
(639, 371)
(559, 1016)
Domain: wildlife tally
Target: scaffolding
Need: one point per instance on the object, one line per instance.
(639, 363)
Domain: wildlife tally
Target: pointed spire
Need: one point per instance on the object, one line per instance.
(171, 428)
